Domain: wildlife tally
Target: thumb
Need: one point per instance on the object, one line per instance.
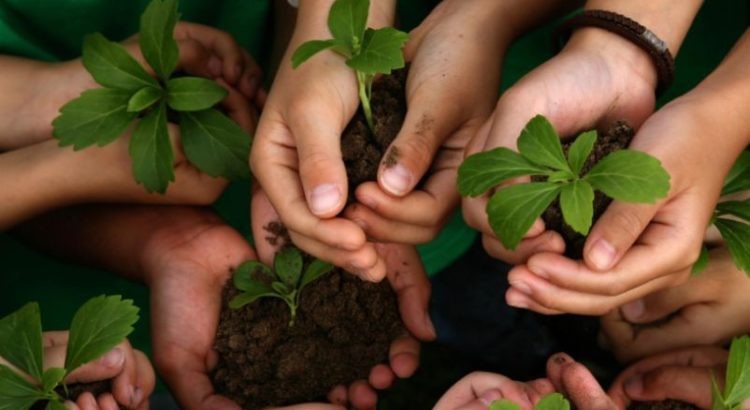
(688, 384)
(615, 232)
(583, 390)
(666, 302)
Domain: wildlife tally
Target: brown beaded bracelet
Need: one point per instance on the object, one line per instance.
(631, 30)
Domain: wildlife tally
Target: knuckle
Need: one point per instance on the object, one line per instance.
(419, 148)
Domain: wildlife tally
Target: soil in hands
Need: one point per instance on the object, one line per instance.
(662, 405)
(343, 328)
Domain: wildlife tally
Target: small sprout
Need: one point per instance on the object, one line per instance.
(552, 401)
(624, 175)
(737, 380)
(98, 326)
(368, 51)
(287, 279)
(212, 142)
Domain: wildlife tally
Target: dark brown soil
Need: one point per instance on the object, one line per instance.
(361, 150)
(616, 138)
(344, 327)
(76, 389)
(662, 405)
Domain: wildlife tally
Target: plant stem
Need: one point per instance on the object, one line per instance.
(364, 97)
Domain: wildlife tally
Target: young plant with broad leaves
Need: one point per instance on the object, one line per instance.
(736, 380)
(552, 401)
(98, 326)
(368, 51)
(732, 217)
(286, 281)
(624, 175)
(211, 141)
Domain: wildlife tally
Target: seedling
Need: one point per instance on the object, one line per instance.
(552, 401)
(625, 175)
(732, 218)
(287, 279)
(211, 141)
(98, 326)
(737, 379)
(369, 52)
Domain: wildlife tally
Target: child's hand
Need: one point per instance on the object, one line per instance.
(479, 389)
(709, 309)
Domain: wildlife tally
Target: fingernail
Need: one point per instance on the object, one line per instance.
(523, 287)
(324, 198)
(634, 309)
(489, 396)
(112, 359)
(634, 386)
(518, 301)
(397, 179)
(537, 270)
(560, 359)
(214, 66)
(137, 396)
(430, 326)
(602, 255)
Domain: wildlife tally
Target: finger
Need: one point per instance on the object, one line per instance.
(262, 217)
(668, 301)
(250, 82)
(362, 396)
(583, 389)
(71, 405)
(555, 365)
(105, 368)
(86, 401)
(338, 395)
(548, 241)
(484, 401)
(55, 338)
(124, 386)
(365, 262)
(107, 402)
(540, 388)
(474, 385)
(220, 43)
(408, 279)
(684, 383)
(381, 377)
(146, 379)
(385, 230)
(404, 356)
(238, 108)
(520, 300)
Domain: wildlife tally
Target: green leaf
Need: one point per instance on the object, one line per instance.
(243, 276)
(484, 170)
(347, 21)
(630, 176)
(55, 405)
(111, 65)
(381, 51)
(738, 179)
(577, 204)
(717, 399)
(151, 152)
(17, 393)
(700, 265)
(52, 378)
(740, 209)
(737, 383)
(97, 327)
(561, 177)
(157, 44)
(513, 209)
(309, 49)
(580, 150)
(193, 93)
(281, 288)
(553, 401)
(288, 266)
(540, 144)
(256, 291)
(504, 404)
(98, 116)
(144, 98)
(315, 270)
(215, 144)
(21, 339)
(737, 237)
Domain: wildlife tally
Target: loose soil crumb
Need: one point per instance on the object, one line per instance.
(344, 327)
(618, 137)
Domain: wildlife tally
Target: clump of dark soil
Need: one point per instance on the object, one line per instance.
(617, 137)
(77, 389)
(343, 328)
(362, 150)
(662, 405)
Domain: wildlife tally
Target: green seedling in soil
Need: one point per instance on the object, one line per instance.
(286, 281)
(732, 218)
(211, 141)
(625, 175)
(552, 401)
(98, 326)
(737, 379)
(368, 51)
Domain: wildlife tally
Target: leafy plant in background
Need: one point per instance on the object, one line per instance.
(211, 141)
(737, 379)
(368, 51)
(98, 326)
(732, 218)
(552, 401)
(624, 175)
(287, 279)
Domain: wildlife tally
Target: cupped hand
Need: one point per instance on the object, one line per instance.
(452, 84)
(478, 390)
(683, 375)
(597, 79)
(709, 309)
